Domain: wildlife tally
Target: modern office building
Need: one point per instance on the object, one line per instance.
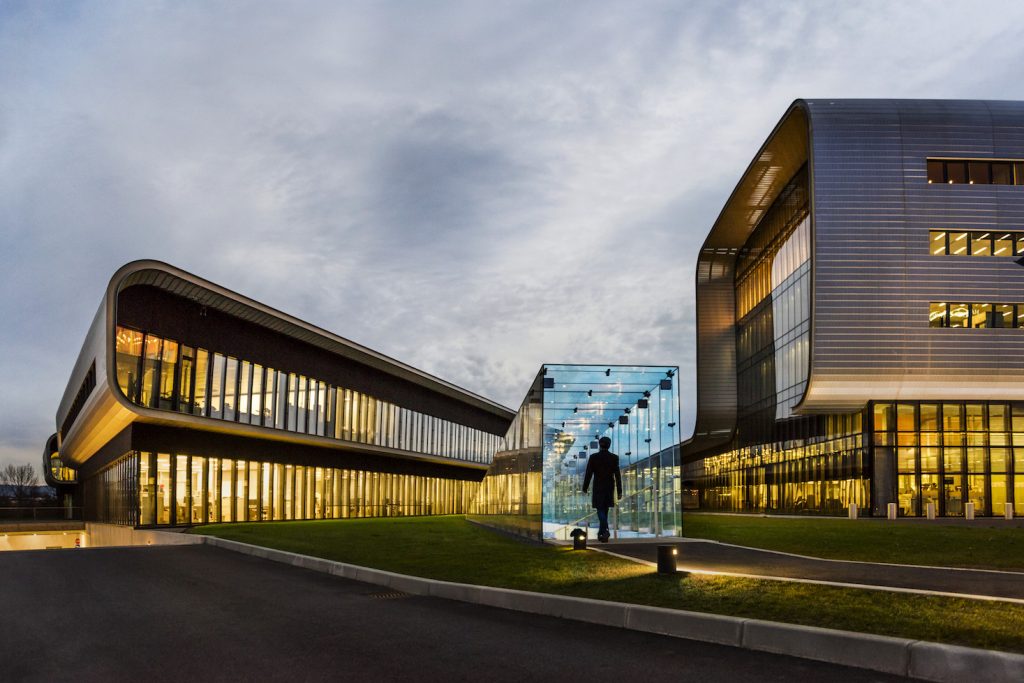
(534, 485)
(860, 316)
(191, 404)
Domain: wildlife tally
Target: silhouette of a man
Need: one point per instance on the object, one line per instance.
(603, 466)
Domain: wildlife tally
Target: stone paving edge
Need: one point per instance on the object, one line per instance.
(901, 656)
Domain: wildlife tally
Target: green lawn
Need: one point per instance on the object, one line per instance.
(868, 540)
(451, 549)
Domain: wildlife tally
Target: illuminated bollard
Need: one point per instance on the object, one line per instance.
(853, 511)
(891, 511)
(930, 510)
(667, 559)
(579, 539)
(1008, 510)
(969, 511)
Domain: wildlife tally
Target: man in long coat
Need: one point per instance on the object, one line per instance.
(603, 466)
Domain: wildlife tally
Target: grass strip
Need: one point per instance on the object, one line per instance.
(452, 549)
(980, 547)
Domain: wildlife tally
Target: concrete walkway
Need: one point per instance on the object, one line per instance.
(204, 613)
(720, 557)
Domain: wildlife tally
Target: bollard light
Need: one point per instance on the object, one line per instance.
(667, 559)
(579, 539)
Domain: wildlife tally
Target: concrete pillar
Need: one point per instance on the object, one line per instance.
(1009, 510)
(930, 510)
(891, 511)
(969, 511)
(853, 511)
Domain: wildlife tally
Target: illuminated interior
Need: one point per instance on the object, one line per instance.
(534, 486)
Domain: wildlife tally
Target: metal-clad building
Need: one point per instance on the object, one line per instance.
(860, 315)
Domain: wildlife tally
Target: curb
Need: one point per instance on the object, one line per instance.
(901, 656)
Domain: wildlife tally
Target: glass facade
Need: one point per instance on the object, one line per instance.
(822, 471)
(954, 242)
(773, 315)
(534, 485)
(161, 373)
(977, 316)
(951, 454)
(172, 489)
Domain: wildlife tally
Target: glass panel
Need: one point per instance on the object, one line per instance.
(976, 494)
(292, 383)
(149, 371)
(883, 417)
(1002, 315)
(268, 398)
(185, 379)
(951, 413)
(953, 495)
(196, 492)
(213, 491)
(975, 417)
(1018, 173)
(997, 417)
(976, 460)
(181, 481)
(227, 490)
(253, 509)
(959, 315)
(958, 243)
(1002, 244)
(241, 490)
(217, 386)
(998, 459)
(1019, 249)
(937, 315)
(289, 487)
(230, 387)
(266, 494)
(981, 315)
(280, 410)
(956, 172)
(929, 459)
(929, 417)
(147, 489)
(168, 373)
(1002, 173)
(905, 418)
(981, 244)
(979, 173)
(998, 484)
(936, 171)
(199, 401)
(244, 389)
(300, 492)
(938, 242)
(255, 412)
(163, 488)
(929, 492)
(128, 353)
(908, 495)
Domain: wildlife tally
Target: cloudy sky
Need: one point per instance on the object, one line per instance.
(474, 188)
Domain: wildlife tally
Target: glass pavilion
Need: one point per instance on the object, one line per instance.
(534, 485)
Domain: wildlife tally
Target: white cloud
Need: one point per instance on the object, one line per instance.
(473, 188)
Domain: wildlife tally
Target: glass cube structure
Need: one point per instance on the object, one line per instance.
(534, 486)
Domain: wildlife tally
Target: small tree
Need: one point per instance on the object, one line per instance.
(21, 479)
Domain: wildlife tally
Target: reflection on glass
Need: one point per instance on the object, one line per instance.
(128, 355)
(937, 239)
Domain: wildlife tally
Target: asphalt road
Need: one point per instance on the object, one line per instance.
(712, 556)
(203, 613)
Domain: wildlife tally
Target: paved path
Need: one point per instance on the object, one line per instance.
(720, 557)
(203, 613)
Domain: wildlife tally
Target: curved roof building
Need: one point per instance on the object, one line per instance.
(190, 403)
